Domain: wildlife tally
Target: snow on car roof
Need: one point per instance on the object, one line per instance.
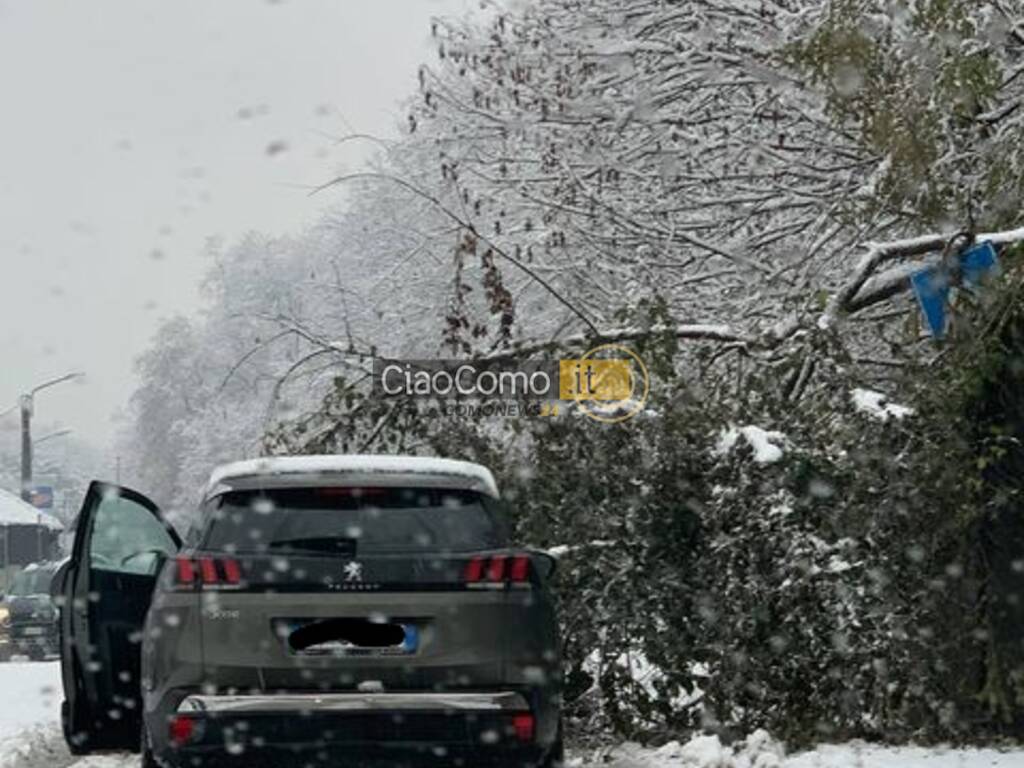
(356, 469)
(14, 511)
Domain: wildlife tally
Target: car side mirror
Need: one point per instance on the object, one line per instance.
(545, 564)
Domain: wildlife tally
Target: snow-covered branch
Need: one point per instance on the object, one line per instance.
(864, 288)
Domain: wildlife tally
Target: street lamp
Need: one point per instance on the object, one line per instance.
(27, 404)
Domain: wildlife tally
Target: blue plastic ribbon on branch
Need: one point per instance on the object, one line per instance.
(931, 286)
(979, 263)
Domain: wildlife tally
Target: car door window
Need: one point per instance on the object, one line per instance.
(127, 538)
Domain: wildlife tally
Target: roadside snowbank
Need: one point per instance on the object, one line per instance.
(871, 756)
(30, 696)
(759, 750)
(40, 746)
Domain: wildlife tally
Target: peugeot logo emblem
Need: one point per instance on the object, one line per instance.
(353, 571)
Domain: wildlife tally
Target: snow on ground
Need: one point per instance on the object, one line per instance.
(40, 746)
(107, 761)
(30, 694)
(868, 756)
(760, 751)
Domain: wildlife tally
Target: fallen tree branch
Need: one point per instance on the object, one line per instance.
(692, 331)
(846, 300)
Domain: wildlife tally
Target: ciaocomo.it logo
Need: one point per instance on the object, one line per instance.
(608, 383)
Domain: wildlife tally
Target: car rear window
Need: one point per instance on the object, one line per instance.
(354, 520)
(32, 582)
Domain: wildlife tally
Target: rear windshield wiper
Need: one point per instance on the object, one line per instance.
(335, 545)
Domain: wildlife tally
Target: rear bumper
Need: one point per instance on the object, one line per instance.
(354, 756)
(312, 703)
(463, 728)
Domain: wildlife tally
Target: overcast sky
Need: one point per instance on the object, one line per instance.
(132, 131)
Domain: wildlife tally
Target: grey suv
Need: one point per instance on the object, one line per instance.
(336, 610)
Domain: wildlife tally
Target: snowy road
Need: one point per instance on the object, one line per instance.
(30, 737)
(30, 695)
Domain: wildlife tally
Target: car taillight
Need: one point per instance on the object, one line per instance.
(523, 724)
(232, 573)
(497, 570)
(185, 575)
(181, 730)
(209, 570)
(519, 572)
(212, 572)
(474, 570)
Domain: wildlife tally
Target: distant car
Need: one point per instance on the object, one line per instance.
(5, 637)
(32, 625)
(322, 610)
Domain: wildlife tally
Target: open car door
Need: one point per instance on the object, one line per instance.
(104, 592)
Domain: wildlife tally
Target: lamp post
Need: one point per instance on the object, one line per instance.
(27, 404)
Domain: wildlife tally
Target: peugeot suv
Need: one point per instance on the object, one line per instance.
(336, 610)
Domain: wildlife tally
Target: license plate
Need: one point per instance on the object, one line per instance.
(409, 645)
(32, 631)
